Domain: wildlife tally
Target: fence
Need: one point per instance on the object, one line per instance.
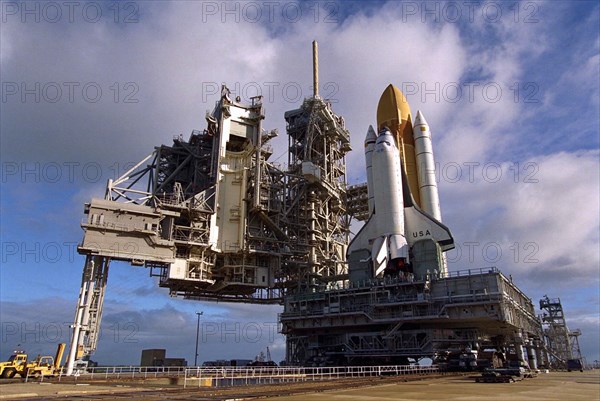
(127, 372)
(227, 376)
(237, 376)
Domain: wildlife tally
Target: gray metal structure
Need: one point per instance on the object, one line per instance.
(394, 320)
(562, 344)
(215, 219)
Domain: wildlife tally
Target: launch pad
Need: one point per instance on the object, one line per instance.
(215, 219)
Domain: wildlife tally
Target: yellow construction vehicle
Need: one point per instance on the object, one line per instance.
(16, 364)
(46, 365)
(43, 365)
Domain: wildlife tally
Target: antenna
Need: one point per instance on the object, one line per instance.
(315, 47)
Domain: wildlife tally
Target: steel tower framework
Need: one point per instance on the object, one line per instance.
(315, 213)
(562, 344)
(214, 219)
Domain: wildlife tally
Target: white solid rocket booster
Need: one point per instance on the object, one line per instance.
(370, 140)
(430, 201)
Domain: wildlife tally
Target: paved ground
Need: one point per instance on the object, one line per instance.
(15, 391)
(553, 386)
(560, 386)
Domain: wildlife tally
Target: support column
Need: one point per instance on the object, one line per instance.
(521, 356)
(88, 314)
(532, 356)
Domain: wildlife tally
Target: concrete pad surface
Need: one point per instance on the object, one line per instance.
(14, 391)
(559, 386)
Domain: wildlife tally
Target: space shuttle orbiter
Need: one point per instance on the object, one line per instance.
(404, 232)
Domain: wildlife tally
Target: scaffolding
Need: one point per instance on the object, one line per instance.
(561, 343)
(214, 219)
(315, 216)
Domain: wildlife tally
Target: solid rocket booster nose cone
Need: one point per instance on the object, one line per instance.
(420, 119)
(392, 107)
(371, 135)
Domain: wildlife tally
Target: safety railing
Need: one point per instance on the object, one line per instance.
(236, 376)
(215, 376)
(129, 372)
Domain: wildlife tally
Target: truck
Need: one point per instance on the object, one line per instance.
(17, 364)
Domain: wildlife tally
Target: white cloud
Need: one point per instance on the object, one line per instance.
(545, 220)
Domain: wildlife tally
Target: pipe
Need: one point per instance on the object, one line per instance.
(315, 68)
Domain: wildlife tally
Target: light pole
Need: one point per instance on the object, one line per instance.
(197, 335)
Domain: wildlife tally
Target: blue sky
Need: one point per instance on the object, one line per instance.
(510, 90)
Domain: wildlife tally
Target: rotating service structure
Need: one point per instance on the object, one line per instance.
(214, 219)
